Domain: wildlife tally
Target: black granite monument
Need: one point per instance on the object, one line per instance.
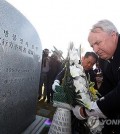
(20, 60)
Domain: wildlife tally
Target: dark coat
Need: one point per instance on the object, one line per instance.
(110, 88)
(54, 69)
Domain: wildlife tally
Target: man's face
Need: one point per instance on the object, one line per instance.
(88, 62)
(103, 44)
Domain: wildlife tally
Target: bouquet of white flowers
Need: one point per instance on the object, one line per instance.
(76, 88)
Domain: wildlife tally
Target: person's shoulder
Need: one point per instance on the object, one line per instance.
(91, 72)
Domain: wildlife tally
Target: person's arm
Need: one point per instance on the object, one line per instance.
(58, 79)
(111, 102)
(82, 113)
(60, 75)
(93, 78)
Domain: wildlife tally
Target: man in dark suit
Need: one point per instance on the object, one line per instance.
(105, 41)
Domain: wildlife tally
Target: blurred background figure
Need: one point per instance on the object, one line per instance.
(98, 73)
(54, 69)
(58, 53)
(44, 74)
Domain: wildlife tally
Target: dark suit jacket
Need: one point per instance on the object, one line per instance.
(110, 87)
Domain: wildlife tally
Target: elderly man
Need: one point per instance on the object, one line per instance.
(105, 41)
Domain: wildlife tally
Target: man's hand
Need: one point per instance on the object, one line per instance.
(82, 113)
(79, 112)
(56, 83)
(95, 111)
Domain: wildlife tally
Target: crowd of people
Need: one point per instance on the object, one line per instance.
(50, 67)
(52, 71)
(105, 41)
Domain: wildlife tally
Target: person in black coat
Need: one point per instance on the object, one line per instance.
(54, 68)
(98, 73)
(105, 41)
(44, 74)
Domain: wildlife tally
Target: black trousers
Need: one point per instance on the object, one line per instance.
(111, 129)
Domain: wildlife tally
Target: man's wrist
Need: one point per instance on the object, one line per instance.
(83, 112)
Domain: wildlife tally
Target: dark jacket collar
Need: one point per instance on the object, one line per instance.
(117, 51)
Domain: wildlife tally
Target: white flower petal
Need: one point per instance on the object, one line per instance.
(74, 55)
(81, 80)
(80, 87)
(75, 72)
(86, 100)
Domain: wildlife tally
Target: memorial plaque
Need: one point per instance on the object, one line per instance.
(20, 60)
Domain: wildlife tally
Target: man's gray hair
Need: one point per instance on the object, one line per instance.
(105, 25)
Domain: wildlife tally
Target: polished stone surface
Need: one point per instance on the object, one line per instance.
(39, 126)
(20, 59)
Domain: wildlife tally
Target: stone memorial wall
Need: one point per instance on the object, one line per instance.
(20, 60)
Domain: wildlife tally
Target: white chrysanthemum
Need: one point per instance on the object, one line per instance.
(79, 66)
(86, 100)
(81, 80)
(71, 62)
(76, 62)
(75, 72)
(74, 55)
(80, 87)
